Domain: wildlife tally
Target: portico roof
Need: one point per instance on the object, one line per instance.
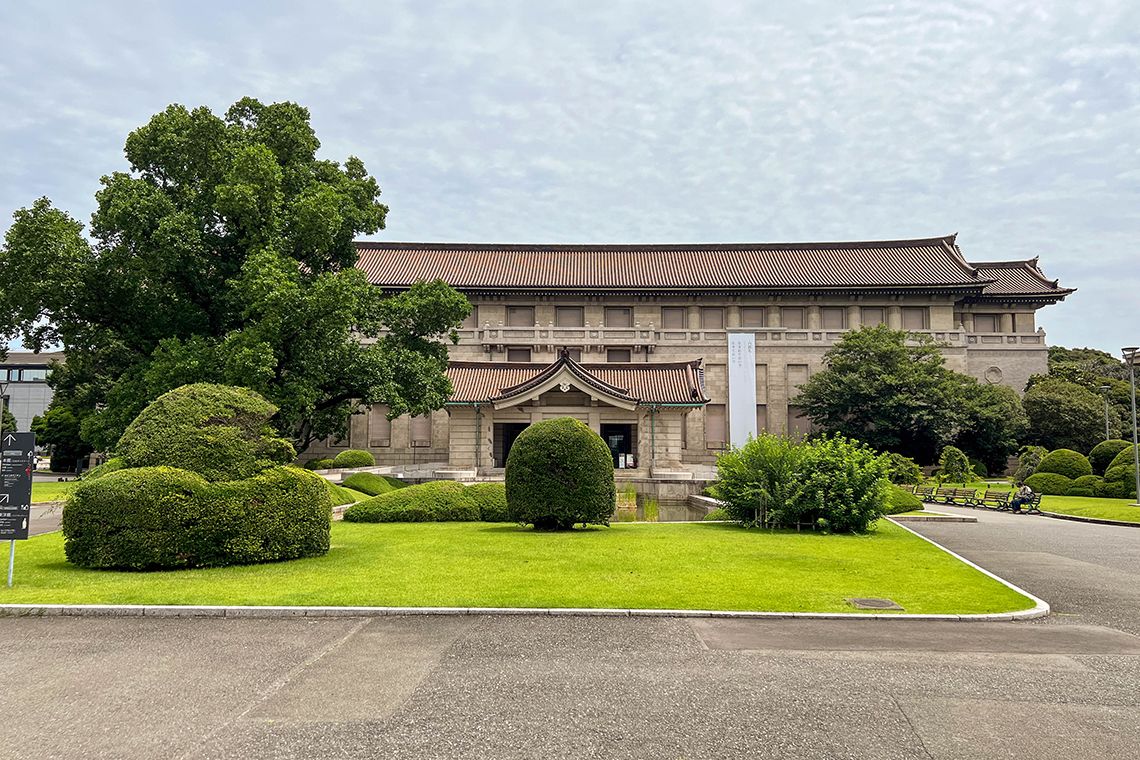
(625, 385)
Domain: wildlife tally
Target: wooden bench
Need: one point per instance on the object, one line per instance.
(924, 494)
(993, 499)
(1031, 507)
(961, 496)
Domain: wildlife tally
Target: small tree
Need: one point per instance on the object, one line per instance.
(903, 470)
(1028, 459)
(758, 482)
(955, 465)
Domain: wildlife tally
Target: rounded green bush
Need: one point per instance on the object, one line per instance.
(372, 484)
(903, 470)
(1071, 464)
(148, 518)
(98, 471)
(319, 464)
(218, 431)
(1086, 483)
(1123, 458)
(341, 495)
(1123, 476)
(1117, 489)
(1104, 452)
(1049, 483)
(560, 473)
(899, 501)
(719, 514)
(354, 458)
(491, 499)
(438, 501)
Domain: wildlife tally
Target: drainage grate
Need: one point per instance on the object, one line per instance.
(873, 603)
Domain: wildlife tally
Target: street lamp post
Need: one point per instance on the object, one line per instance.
(1130, 355)
(1104, 393)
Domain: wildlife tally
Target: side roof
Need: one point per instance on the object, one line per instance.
(1019, 279)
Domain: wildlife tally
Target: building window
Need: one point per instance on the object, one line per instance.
(379, 427)
(618, 355)
(987, 323)
(872, 316)
(753, 316)
(518, 354)
(915, 318)
(714, 426)
(520, 316)
(673, 317)
(799, 425)
(797, 376)
(792, 317)
(712, 318)
(761, 418)
(833, 317)
(685, 430)
(619, 316)
(421, 431)
(569, 316)
(472, 319)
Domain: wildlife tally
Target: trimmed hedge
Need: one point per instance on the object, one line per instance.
(1071, 464)
(341, 495)
(148, 518)
(218, 431)
(438, 501)
(354, 458)
(491, 499)
(1049, 483)
(899, 501)
(98, 471)
(1104, 452)
(1117, 489)
(319, 464)
(1123, 458)
(372, 484)
(560, 473)
(1086, 485)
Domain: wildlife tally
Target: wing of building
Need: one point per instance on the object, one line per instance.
(635, 339)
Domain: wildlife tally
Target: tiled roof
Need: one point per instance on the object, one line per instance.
(1018, 278)
(643, 383)
(927, 262)
(25, 358)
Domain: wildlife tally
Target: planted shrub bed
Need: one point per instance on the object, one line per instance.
(439, 501)
(372, 484)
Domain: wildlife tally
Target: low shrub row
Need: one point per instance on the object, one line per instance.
(373, 484)
(346, 459)
(438, 501)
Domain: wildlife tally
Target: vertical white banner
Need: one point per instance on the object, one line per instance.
(741, 387)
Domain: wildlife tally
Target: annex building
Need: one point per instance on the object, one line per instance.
(673, 352)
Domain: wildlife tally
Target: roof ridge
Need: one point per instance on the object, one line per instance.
(711, 246)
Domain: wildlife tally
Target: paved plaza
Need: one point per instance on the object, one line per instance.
(530, 687)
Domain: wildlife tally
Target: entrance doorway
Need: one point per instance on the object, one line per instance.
(621, 439)
(504, 437)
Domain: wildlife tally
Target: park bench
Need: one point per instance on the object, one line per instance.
(1031, 507)
(944, 495)
(961, 496)
(993, 499)
(924, 494)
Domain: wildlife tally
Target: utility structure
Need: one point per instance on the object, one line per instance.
(1131, 353)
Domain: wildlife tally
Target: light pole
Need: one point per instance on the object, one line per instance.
(1104, 393)
(1130, 355)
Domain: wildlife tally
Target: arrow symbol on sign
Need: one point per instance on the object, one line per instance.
(3, 498)
(9, 439)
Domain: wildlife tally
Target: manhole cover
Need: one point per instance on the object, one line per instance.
(872, 603)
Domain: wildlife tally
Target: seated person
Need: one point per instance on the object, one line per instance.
(1024, 496)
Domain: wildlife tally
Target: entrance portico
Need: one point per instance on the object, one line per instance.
(637, 408)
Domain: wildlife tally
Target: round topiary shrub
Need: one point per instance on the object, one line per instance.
(372, 484)
(1123, 458)
(1049, 483)
(1122, 477)
(218, 431)
(438, 501)
(1116, 489)
(98, 471)
(899, 501)
(319, 464)
(491, 498)
(903, 470)
(354, 458)
(560, 473)
(148, 518)
(1090, 483)
(1104, 452)
(1071, 464)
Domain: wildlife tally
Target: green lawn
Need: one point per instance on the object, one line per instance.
(50, 490)
(646, 565)
(1088, 506)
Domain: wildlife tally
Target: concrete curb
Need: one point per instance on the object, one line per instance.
(935, 518)
(1040, 609)
(1055, 515)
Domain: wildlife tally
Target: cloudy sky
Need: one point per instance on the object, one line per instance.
(1016, 124)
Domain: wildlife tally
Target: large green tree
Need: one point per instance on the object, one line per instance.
(1064, 415)
(1096, 371)
(225, 255)
(893, 391)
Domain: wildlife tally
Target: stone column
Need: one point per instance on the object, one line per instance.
(694, 317)
(732, 316)
(968, 321)
(1007, 322)
(853, 318)
(813, 320)
(894, 317)
(773, 315)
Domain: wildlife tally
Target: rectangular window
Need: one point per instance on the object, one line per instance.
(792, 317)
(797, 376)
(569, 316)
(619, 316)
(753, 316)
(472, 319)
(987, 323)
(833, 317)
(714, 426)
(873, 316)
(379, 427)
(518, 354)
(673, 317)
(915, 318)
(712, 318)
(421, 431)
(799, 425)
(619, 355)
(520, 316)
(761, 418)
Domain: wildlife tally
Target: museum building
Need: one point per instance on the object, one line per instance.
(674, 352)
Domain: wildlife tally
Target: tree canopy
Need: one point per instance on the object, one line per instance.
(225, 255)
(893, 391)
(1064, 415)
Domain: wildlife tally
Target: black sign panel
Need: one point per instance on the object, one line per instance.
(18, 452)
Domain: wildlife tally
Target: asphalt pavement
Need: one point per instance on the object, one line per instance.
(579, 687)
